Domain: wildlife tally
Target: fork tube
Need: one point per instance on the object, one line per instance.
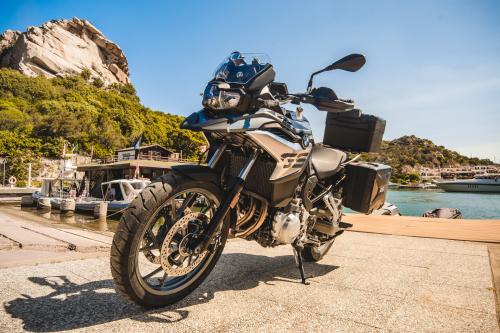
(217, 155)
(229, 202)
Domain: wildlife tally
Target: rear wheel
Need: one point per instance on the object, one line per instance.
(151, 260)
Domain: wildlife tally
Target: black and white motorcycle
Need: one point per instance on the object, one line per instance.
(265, 180)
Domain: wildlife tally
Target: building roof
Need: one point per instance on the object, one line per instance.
(126, 181)
(125, 164)
(144, 147)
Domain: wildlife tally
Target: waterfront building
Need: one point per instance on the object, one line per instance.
(460, 172)
(153, 152)
(149, 162)
(429, 174)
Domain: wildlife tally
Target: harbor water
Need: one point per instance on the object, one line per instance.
(472, 205)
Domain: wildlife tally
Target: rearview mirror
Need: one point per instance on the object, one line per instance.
(351, 63)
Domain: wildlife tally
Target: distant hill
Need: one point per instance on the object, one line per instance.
(408, 153)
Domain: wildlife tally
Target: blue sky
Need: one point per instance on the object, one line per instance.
(433, 67)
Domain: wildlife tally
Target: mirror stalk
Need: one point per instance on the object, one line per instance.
(309, 84)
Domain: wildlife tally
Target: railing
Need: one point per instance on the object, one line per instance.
(144, 157)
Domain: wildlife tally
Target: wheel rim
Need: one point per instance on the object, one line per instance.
(150, 270)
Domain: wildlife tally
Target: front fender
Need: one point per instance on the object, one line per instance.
(197, 172)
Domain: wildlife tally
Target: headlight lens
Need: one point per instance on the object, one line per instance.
(216, 99)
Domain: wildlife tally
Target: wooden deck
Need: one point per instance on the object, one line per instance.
(466, 230)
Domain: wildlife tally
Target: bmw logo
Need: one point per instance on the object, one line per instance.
(305, 141)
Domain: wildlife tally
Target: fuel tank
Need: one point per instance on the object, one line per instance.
(276, 176)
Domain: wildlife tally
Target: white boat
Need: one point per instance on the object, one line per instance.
(51, 191)
(480, 183)
(117, 193)
(44, 191)
(426, 186)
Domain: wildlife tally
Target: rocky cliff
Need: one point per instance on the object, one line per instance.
(62, 47)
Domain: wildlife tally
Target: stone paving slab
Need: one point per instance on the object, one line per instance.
(30, 234)
(29, 238)
(363, 285)
(6, 244)
(22, 257)
(494, 254)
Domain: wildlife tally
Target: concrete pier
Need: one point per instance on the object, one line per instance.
(368, 282)
(27, 201)
(100, 210)
(67, 206)
(44, 203)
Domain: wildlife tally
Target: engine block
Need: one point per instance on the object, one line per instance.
(288, 226)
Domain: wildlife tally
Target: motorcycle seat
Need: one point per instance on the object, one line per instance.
(326, 161)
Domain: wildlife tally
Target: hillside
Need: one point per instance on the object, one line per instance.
(408, 153)
(37, 115)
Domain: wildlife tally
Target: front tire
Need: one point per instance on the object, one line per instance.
(135, 244)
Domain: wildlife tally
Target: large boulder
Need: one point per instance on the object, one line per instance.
(62, 47)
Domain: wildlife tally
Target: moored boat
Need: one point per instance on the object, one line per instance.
(480, 183)
(117, 193)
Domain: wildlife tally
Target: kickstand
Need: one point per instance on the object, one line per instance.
(297, 251)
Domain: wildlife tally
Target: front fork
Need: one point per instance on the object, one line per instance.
(201, 244)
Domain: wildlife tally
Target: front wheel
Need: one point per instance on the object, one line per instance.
(151, 260)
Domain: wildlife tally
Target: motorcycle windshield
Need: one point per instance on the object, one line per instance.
(241, 67)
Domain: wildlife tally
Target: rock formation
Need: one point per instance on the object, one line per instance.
(62, 47)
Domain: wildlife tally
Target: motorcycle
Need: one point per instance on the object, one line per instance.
(265, 180)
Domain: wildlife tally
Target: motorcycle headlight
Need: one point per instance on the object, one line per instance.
(217, 99)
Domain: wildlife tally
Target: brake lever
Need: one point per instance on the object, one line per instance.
(302, 98)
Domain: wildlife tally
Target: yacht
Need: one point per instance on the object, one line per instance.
(480, 183)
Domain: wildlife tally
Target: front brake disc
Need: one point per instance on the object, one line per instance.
(175, 258)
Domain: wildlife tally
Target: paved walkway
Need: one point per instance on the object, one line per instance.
(368, 283)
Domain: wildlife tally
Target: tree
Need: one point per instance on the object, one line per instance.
(40, 114)
(13, 119)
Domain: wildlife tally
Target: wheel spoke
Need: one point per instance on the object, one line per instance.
(173, 210)
(147, 276)
(149, 247)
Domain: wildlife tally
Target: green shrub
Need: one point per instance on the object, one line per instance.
(37, 115)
